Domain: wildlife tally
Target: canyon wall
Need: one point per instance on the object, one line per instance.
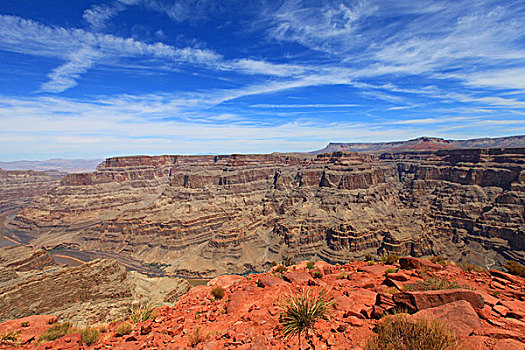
(208, 215)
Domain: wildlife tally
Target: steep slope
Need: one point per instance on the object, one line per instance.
(208, 215)
(98, 291)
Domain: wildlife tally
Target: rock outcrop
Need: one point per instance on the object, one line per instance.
(18, 188)
(98, 291)
(247, 317)
(209, 215)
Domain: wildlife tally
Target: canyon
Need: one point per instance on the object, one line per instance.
(203, 216)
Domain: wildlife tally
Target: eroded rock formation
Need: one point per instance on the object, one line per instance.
(32, 283)
(208, 215)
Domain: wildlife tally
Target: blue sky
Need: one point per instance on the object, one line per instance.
(91, 79)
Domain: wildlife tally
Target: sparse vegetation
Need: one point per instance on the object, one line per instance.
(10, 337)
(342, 276)
(391, 290)
(390, 259)
(142, 312)
(196, 337)
(24, 324)
(217, 293)
(402, 333)
(318, 275)
(89, 335)
(124, 329)
(370, 263)
(515, 268)
(310, 265)
(288, 261)
(434, 283)
(471, 267)
(280, 269)
(438, 260)
(389, 270)
(58, 330)
(302, 310)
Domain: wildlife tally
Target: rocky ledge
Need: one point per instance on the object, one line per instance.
(484, 311)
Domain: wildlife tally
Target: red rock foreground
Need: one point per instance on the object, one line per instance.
(487, 312)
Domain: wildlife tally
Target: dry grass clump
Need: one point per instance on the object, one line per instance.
(302, 310)
(434, 283)
(217, 293)
(390, 270)
(515, 268)
(471, 267)
(401, 333)
(89, 335)
(10, 337)
(197, 336)
(438, 260)
(124, 329)
(390, 259)
(56, 331)
(142, 312)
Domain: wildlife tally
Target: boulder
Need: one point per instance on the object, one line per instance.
(416, 301)
(459, 316)
(297, 276)
(269, 281)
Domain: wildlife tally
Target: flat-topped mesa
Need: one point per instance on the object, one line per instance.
(207, 215)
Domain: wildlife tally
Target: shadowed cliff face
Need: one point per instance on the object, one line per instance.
(207, 215)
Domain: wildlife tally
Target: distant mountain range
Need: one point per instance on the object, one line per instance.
(61, 165)
(424, 144)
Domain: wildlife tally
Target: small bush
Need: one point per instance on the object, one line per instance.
(391, 290)
(515, 268)
(310, 265)
(302, 310)
(288, 261)
(10, 337)
(390, 259)
(401, 333)
(124, 329)
(434, 283)
(471, 267)
(280, 269)
(217, 293)
(318, 274)
(370, 263)
(24, 324)
(142, 312)
(390, 270)
(196, 337)
(58, 330)
(438, 260)
(89, 335)
(342, 276)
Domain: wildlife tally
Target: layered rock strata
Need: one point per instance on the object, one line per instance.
(208, 215)
(95, 292)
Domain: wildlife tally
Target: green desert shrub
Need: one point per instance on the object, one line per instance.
(390, 270)
(310, 265)
(515, 268)
(24, 324)
(124, 329)
(434, 283)
(318, 274)
(58, 330)
(402, 333)
(280, 269)
(302, 310)
(217, 293)
(142, 312)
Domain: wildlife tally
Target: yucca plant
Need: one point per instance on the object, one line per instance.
(302, 310)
